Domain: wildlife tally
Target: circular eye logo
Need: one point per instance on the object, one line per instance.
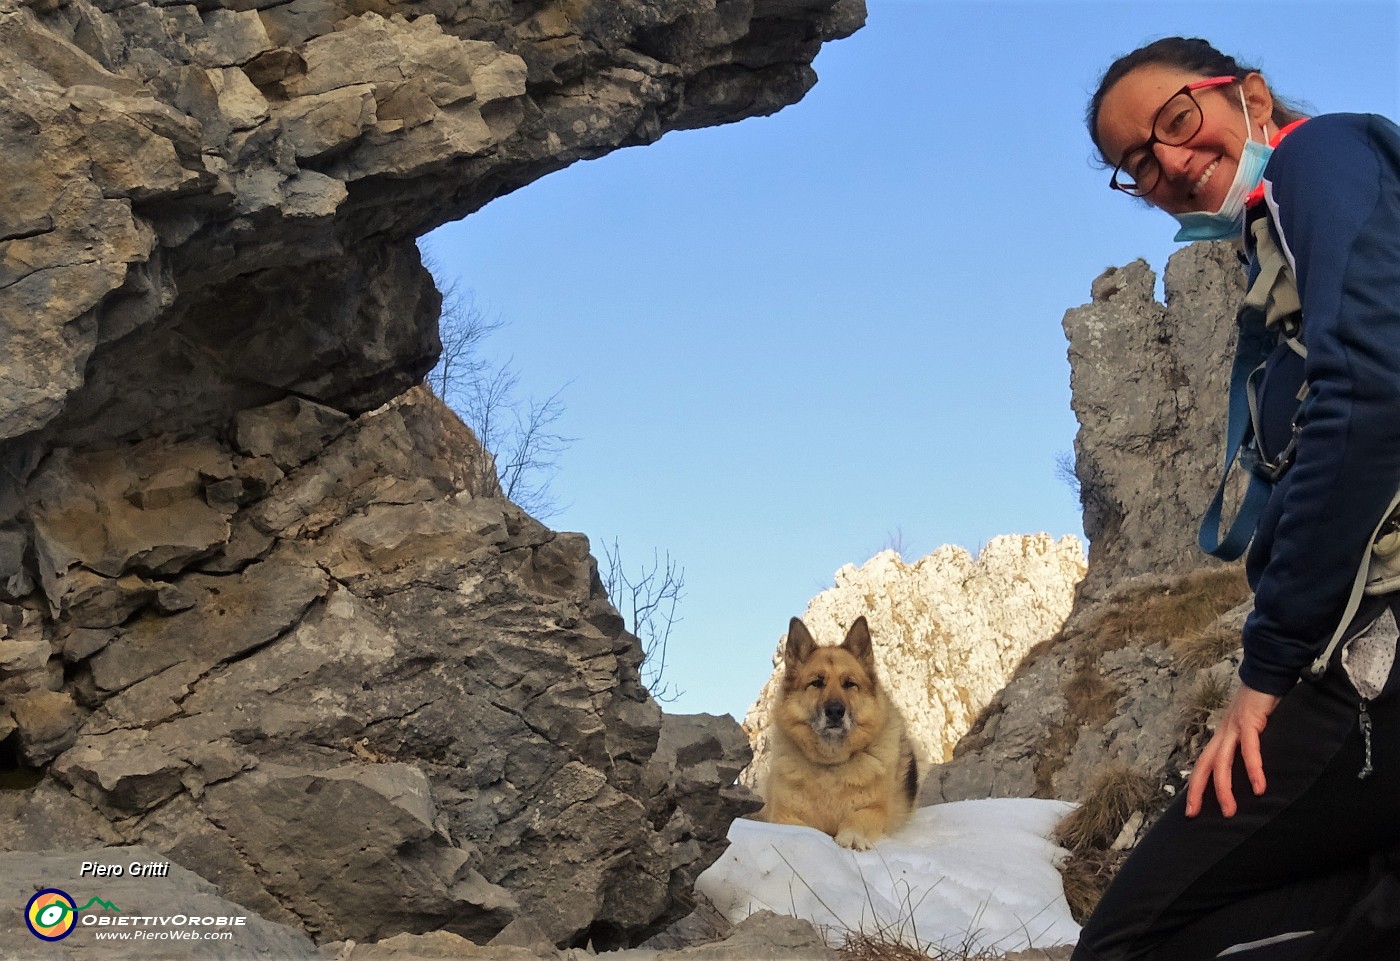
(51, 915)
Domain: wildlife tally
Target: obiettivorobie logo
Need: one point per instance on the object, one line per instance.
(53, 914)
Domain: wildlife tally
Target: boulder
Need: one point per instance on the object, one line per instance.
(416, 681)
(149, 907)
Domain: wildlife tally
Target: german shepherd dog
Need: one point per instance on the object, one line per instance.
(839, 760)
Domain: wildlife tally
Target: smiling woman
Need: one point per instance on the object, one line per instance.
(1195, 153)
(1306, 864)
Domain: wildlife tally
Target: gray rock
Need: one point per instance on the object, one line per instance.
(692, 780)
(247, 184)
(421, 683)
(441, 945)
(1149, 387)
(774, 937)
(289, 432)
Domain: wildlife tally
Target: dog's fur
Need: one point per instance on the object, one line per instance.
(839, 760)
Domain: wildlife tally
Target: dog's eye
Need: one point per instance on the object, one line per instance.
(818, 682)
(849, 684)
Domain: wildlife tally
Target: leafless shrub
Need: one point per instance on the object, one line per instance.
(896, 541)
(520, 435)
(462, 328)
(647, 600)
(1065, 472)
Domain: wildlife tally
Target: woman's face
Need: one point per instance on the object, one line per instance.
(1197, 174)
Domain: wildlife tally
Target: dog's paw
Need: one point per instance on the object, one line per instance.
(853, 839)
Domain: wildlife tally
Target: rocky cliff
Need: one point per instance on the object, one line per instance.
(948, 629)
(256, 614)
(1149, 383)
(1145, 657)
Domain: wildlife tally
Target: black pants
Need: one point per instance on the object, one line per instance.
(1318, 851)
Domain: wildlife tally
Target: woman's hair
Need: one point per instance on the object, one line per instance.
(1185, 53)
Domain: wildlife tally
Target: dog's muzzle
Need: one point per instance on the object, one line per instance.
(834, 719)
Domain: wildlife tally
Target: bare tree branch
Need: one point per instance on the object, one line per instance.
(650, 597)
(519, 435)
(525, 445)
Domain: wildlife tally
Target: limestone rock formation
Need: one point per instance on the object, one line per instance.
(254, 612)
(1100, 696)
(209, 207)
(948, 629)
(137, 906)
(314, 629)
(1151, 646)
(1149, 382)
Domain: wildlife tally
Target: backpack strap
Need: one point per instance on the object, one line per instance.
(1275, 290)
(1358, 590)
(1254, 344)
(1271, 310)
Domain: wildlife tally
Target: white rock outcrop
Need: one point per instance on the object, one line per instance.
(949, 629)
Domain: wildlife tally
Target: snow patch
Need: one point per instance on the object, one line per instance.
(976, 874)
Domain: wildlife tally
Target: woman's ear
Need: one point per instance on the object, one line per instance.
(1260, 100)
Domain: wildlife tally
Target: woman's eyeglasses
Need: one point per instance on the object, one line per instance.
(1178, 120)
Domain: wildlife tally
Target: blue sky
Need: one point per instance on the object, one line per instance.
(788, 342)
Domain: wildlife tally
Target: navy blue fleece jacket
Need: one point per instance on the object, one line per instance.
(1332, 188)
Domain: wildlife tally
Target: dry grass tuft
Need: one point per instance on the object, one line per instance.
(1163, 614)
(1206, 647)
(1114, 796)
(1089, 831)
(1197, 714)
(1086, 877)
(866, 947)
(1091, 699)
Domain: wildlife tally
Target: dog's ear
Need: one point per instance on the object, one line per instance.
(799, 643)
(858, 643)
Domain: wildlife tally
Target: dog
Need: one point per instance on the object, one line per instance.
(839, 759)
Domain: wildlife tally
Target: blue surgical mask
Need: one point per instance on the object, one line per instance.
(1228, 221)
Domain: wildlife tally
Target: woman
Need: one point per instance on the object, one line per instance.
(1286, 844)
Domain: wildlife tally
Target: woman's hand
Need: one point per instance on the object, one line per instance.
(1240, 726)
